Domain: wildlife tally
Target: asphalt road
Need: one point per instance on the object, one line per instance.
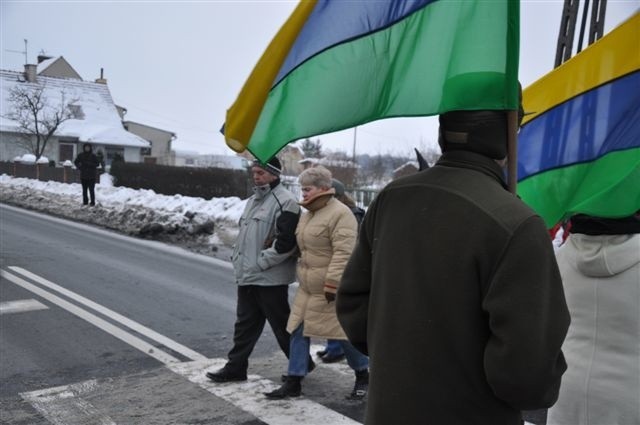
(92, 310)
(99, 328)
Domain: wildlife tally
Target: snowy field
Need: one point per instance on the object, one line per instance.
(200, 225)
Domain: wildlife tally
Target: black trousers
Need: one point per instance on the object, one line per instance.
(257, 304)
(88, 185)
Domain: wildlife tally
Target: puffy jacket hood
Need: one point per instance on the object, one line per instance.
(605, 255)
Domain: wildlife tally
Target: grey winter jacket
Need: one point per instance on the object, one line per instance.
(264, 250)
(601, 277)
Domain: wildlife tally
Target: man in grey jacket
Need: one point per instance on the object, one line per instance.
(264, 263)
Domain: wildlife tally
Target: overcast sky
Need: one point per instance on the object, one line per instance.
(180, 65)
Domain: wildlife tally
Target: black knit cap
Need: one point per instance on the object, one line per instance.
(483, 132)
(590, 225)
(273, 166)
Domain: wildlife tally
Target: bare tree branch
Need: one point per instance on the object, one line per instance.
(36, 118)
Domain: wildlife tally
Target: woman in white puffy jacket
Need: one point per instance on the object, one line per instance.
(600, 267)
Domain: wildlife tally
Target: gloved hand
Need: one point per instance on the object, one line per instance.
(329, 296)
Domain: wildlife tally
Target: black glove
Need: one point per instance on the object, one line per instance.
(329, 296)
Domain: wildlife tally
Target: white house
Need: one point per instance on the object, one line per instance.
(233, 162)
(95, 117)
(159, 139)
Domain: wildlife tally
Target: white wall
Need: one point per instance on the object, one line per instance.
(132, 154)
(11, 146)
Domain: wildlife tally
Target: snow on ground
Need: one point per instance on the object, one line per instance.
(205, 226)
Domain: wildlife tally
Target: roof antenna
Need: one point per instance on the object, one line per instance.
(24, 52)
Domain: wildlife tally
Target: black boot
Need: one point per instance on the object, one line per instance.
(290, 388)
(226, 375)
(361, 386)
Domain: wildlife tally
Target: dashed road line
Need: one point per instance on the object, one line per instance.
(124, 336)
(135, 326)
(21, 306)
(65, 405)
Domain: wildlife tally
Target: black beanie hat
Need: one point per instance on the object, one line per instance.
(590, 225)
(483, 132)
(273, 166)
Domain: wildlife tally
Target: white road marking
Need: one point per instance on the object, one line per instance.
(94, 320)
(20, 306)
(249, 397)
(141, 329)
(64, 405)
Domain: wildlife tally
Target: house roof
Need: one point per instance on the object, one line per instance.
(63, 69)
(413, 164)
(171, 133)
(100, 123)
(45, 64)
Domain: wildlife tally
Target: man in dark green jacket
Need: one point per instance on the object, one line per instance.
(454, 292)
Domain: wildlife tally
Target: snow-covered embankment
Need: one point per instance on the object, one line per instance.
(200, 225)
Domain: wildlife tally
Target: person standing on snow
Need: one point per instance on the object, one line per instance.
(87, 162)
(264, 263)
(454, 291)
(600, 268)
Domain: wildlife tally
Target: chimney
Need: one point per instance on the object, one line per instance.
(42, 58)
(30, 72)
(101, 80)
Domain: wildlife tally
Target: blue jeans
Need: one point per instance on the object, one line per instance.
(334, 348)
(299, 354)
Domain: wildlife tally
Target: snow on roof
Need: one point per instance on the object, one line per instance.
(46, 63)
(309, 160)
(338, 163)
(100, 123)
(293, 148)
(413, 164)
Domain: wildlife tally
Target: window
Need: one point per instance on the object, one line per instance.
(65, 151)
(76, 111)
(113, 153)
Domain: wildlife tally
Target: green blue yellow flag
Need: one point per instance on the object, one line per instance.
(338, 64)
(579, 150)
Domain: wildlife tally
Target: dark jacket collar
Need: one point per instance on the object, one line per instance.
(473, 161)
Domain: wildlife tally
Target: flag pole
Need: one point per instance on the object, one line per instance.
(512, 149)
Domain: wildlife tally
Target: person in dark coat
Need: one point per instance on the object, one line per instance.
(454, 292)
(87, 162)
